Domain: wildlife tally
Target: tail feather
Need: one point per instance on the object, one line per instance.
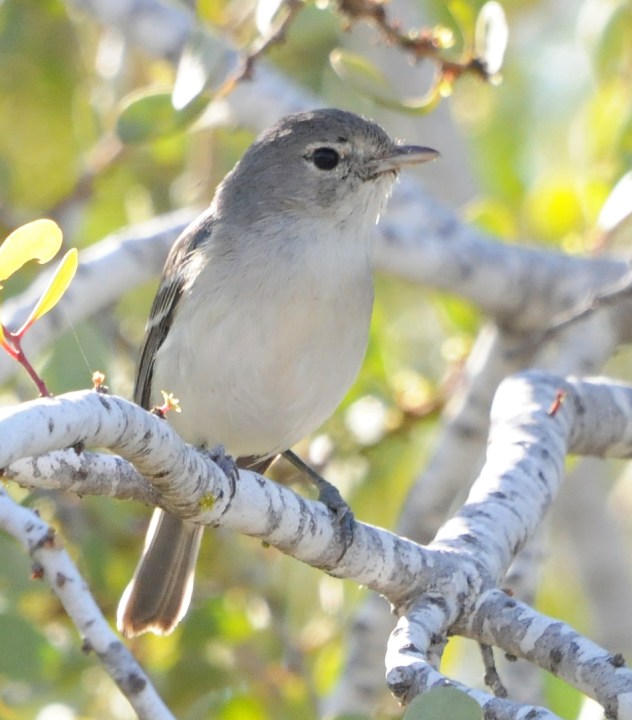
(159, 594)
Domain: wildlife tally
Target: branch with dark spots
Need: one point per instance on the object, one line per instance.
(51, 561)
(47, 540)
(449, 587)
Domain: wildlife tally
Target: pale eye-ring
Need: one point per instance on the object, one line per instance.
(325, 158)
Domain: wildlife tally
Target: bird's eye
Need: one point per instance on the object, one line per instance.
(325, 158)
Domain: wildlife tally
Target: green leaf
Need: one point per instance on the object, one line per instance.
(147, 116)
(56, 288)
(38, 240)
(445, 702)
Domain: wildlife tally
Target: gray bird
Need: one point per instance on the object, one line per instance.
(261, 319)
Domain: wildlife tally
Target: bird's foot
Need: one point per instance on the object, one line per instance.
(226, 462)
(331, 498)
(344, 521)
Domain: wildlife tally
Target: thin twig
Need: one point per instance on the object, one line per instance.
(422, 43)
(492, 678)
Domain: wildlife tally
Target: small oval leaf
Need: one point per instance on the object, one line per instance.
(38, 240)
(150, 115)
(56, 288)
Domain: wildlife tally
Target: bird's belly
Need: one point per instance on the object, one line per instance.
(260, 381)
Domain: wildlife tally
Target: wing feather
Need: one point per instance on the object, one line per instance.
(163, 310)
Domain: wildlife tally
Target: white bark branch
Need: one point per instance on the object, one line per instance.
(410, 672)
(193, 487)
(555, 647)
(530, 436)
(83, 473)
(532, 431)
(52, 563)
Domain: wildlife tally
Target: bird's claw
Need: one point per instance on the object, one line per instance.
(343, 519)
(225, 462)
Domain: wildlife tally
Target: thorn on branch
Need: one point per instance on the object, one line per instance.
(560, 396)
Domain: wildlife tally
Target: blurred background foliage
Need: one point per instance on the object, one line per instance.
(536, 158)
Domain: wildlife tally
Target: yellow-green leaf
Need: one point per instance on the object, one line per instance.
(38, 240)
(56, 288)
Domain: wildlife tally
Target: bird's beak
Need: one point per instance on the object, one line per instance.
(402, 155)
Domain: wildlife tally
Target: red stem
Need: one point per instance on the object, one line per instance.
(12, 343)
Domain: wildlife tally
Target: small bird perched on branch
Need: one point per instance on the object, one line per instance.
(261, 319)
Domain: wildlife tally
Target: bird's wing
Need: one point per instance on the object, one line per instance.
(165, 305)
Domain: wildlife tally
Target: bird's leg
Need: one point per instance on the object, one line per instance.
(226, 462)
(330, 496)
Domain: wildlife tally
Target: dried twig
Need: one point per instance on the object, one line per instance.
(422, 43)
(492, 678)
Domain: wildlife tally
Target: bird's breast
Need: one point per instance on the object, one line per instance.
(279, 344)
